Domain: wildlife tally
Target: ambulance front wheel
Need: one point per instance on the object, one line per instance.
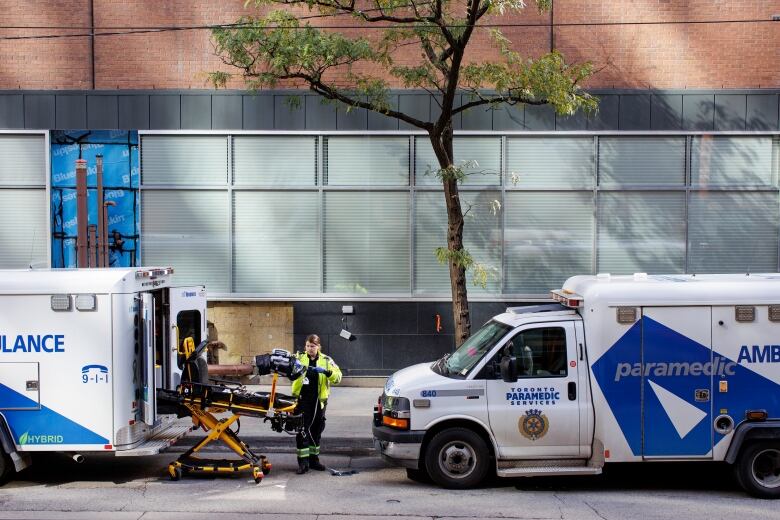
(457, 458)
(758, 469)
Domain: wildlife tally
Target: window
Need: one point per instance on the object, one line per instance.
(367, 161)
(184, 160)
(550, 162)
(732, 161)
(481, 155)
(649, 161)
(540, 352)
(275, 160)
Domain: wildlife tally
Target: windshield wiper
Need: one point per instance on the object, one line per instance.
(441, 364)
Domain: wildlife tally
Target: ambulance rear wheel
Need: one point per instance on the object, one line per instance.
(758, 469)
(6, 467)
(457, 458)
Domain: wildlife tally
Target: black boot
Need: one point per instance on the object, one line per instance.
(314, 463)
(303, 466)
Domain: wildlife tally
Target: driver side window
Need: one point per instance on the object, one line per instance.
(540, 352)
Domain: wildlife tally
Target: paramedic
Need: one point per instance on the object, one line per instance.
(312, 391)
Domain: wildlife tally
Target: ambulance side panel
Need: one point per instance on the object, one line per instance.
(749, 369)
(71, 410)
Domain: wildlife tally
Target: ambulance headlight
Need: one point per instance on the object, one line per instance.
(396, 412)
(60, 302)
(86, 302)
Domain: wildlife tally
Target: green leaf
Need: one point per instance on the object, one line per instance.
(23, 438)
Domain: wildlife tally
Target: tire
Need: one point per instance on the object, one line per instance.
(758, 469)
(457, 458)
(6, 467)
(418, 475)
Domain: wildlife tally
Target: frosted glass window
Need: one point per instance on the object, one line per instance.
(187, 160)
(187, 230)
(276, 242)
(550, 162)
(548, 237)
(275, 160)
(23, 160)
(650, 161)
(481, 237)
(732, 232)
(483, 155)
(641, 232)
(367, 242)
(733, 161)
(367, 161)
(23, 228)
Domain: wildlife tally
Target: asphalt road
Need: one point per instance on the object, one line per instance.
(56, 487)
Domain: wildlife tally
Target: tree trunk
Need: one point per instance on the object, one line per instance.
(442, 147)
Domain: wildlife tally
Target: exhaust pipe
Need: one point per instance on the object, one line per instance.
(77, 457)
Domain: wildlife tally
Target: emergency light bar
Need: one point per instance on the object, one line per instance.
(566, 298)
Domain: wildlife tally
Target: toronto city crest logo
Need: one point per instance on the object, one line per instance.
(533, 425)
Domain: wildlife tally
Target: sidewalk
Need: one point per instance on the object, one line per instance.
(347, 430)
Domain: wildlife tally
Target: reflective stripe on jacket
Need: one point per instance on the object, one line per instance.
(324, 383)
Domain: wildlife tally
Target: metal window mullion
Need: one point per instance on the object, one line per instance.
(502, 232)
(596, 202)
(412, 206)
(319, 167)
(687, 166)
(47, 178)
(231, 239)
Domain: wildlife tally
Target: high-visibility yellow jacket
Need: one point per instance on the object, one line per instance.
(323, 387)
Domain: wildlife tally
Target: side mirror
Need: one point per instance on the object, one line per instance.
(509, 369)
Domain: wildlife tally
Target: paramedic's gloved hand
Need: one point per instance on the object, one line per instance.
(320, 370)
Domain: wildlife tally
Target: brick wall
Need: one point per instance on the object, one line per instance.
(667, 55)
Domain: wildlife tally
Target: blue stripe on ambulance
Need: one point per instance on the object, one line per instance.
(44, 426)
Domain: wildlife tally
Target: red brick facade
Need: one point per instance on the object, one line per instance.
(647, 55)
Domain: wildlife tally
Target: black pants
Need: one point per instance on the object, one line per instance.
(307, 441)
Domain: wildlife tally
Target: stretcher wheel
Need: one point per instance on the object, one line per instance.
(175, 472)
(265, 465)
(258, 475)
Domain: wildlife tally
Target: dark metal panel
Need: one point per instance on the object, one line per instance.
(39, 111)
(319, 115)
(730, 110)
(133, 112)
(361, 352)
(226, 112)
(355, 119)
(698, 112)
(196, 112)
(258, 112)
(634, 112)
(762, 112)
(71, 111)
(457, 119)
(400, 351)
(477, 118)
(11, 111)
(666, 112)
(102, 112)
(578, 121)
(608, 115)
(414, 105)
(509, 117)
(539, 117)
(377, 121)
(289, 117)
(164, 112)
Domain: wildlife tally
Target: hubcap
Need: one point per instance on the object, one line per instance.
(766, 468)
(457, 459)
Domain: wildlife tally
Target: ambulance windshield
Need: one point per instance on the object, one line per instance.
(469, 354)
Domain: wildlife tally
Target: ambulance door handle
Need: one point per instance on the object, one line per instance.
(580, 351)
(572, 391)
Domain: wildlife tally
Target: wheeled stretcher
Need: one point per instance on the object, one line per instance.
(199, 399)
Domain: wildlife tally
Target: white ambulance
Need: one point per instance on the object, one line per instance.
(622, 369)
(82, 352)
